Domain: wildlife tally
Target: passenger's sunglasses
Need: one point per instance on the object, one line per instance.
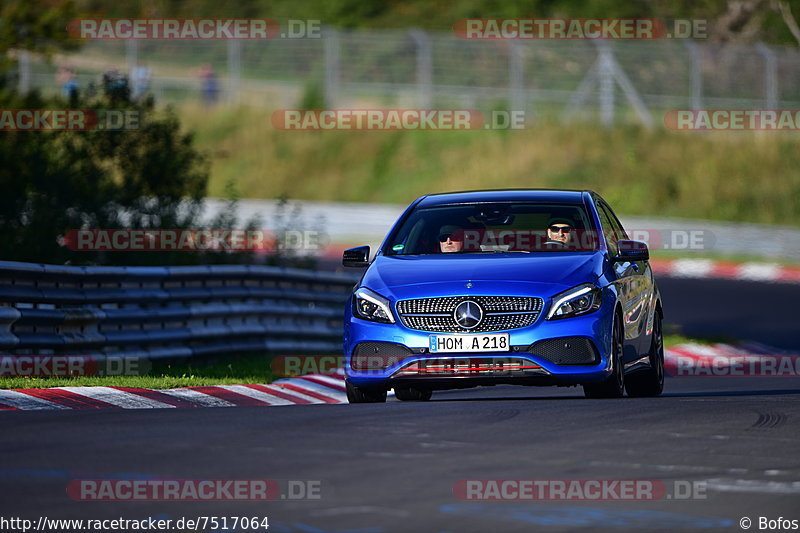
(561, 229)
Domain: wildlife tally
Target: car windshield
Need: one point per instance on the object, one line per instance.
(494, 228)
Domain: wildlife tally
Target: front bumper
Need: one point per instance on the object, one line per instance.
(520, 365)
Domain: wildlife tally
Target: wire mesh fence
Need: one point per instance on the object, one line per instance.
(609, 80)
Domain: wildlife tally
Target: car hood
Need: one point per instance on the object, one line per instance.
(543, 273)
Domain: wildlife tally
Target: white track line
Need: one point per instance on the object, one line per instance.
(257, 395)
(20, 400)
(753, 485)
(759, 271)
(123, 399)
(336, 382)
(692, 268)
(199, 398)
(291, 392)
(320, 389)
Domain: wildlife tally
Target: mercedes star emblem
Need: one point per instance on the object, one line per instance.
(468, 314)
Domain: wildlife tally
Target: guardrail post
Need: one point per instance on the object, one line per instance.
(8, 315)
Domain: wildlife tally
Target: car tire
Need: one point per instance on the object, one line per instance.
(614, 385)
(650, 382)
(365, 394)
(412, 394)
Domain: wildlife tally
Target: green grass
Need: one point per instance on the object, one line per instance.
(673, 339)
(724, 176)
(228, 370)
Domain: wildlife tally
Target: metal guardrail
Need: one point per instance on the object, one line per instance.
(157, 312)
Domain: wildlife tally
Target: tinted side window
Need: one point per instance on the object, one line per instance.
(615, 223)
(608, 228)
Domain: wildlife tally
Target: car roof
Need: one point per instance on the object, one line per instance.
(567, 196)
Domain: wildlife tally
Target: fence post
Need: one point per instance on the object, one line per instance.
(234, 69)
(770, 76)
(516, 72)
(331, 43)
(424, 68)
(24, 66)
(605, 74)
(695, 75)
(131, 56)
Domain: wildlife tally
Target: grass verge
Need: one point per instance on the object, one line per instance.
(739, 176)
(229, 370)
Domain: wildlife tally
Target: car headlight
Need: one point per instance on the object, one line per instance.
(576, 301)
(371, 306)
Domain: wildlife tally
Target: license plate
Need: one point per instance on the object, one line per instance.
(496, 342)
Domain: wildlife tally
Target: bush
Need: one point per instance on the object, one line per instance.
(56, 181)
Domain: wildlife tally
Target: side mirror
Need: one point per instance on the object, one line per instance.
(631, 251)
(356, 257)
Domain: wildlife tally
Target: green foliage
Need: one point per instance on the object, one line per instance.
(35, 25)
(641, 172)
(150, 177)
(166, 374)
(313, 97)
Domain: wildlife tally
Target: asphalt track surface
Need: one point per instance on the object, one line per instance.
(756, 311)
(394, 466)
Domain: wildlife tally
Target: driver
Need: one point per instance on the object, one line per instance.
(559, 231)
(451, 239)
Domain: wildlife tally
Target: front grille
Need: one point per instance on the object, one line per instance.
(499, 313)
(490, 304)
(566, 351)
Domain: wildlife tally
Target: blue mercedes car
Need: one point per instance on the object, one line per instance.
(527, 287)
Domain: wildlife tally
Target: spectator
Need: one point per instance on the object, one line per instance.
(210, 88)
(115, 85)
(66, 79)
